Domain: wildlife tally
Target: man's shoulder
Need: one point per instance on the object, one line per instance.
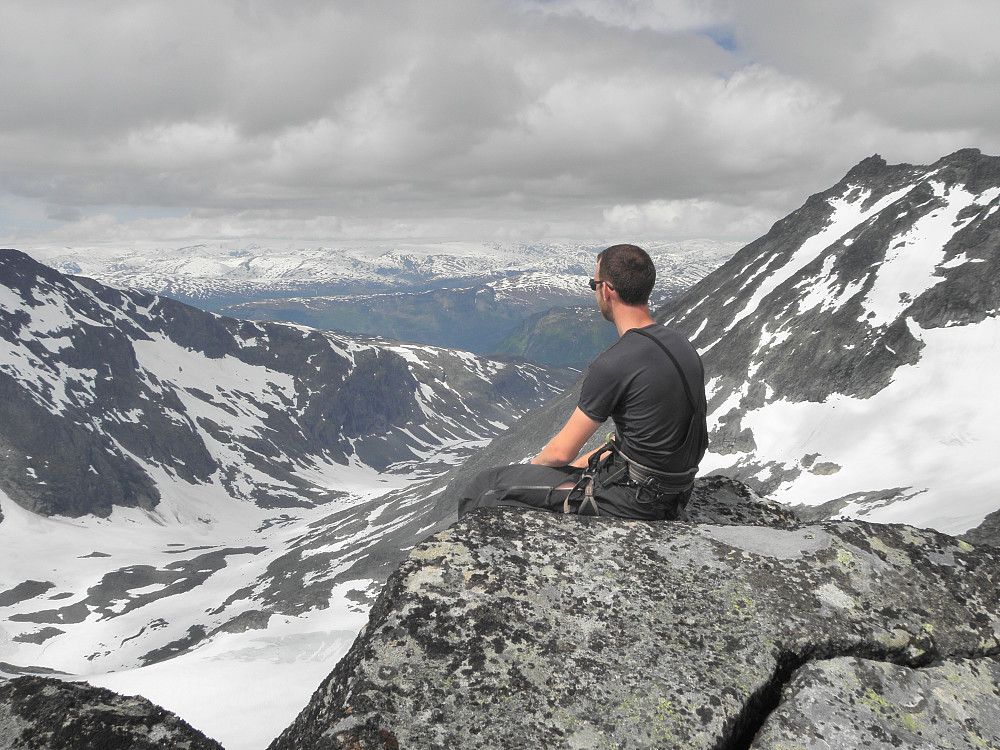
(673, 339)
(620, 348)
(628, 348)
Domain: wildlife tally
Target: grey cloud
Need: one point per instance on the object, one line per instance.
(915, 64)
(389, 113)
(62, 213)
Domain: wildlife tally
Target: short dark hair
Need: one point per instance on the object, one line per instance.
(629, 269)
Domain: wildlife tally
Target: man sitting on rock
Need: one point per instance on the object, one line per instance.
(651, 383)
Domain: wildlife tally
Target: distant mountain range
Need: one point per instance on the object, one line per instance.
(482, 298)
(213, 277)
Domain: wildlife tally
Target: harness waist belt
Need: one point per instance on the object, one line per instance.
(662, 481)
(654, 479)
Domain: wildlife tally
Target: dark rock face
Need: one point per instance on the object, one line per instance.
(988, 532)
(24, 590)
(41, 713)
(529, 629)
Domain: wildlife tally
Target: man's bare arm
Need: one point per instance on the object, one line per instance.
(565, 446)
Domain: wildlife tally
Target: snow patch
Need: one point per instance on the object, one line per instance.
(919, 432)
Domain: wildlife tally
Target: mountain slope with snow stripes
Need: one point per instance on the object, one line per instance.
(850, 350)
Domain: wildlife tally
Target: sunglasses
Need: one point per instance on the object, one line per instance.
(594, 283)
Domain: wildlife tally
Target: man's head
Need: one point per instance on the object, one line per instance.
(630, 272)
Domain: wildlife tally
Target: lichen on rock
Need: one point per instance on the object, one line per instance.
(528, 629)
(861, 703)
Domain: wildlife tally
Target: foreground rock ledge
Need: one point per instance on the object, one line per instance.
(527, 630)
(859, 703)
(42, 713)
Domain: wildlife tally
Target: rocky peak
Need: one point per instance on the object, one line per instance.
(818, 337)
(866, 168)
(529, 629)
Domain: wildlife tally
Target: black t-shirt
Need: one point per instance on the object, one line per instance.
(634, 382)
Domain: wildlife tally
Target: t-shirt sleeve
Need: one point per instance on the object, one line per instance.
(601, 390)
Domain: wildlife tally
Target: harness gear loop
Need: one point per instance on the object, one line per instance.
(642, 476)
(588, 505)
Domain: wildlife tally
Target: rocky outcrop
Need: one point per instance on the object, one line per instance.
(41, 713)
(862, 703)
(988, 532)
(526, 629)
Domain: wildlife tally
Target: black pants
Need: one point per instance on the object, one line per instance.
(530, 486)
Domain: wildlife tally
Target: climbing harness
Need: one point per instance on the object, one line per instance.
(588, 504)
(609, 466)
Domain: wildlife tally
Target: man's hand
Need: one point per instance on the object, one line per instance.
(565, 446)
(583, 461)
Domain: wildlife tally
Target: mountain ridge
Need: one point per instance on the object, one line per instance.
(97, 375)
(856, 292)
(212, 277)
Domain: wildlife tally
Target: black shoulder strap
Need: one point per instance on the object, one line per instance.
(687, 388)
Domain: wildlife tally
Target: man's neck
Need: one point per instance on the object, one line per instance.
(628, 317)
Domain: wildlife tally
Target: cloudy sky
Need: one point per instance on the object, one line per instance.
(315, 122)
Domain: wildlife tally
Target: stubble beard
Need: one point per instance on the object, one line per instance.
(605, 310)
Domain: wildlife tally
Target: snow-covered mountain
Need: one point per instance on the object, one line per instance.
(852, 351)
(189, 503)
(117, 392)
(214, 276)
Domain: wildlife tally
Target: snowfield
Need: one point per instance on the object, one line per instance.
(241, 688)
(928, 441)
